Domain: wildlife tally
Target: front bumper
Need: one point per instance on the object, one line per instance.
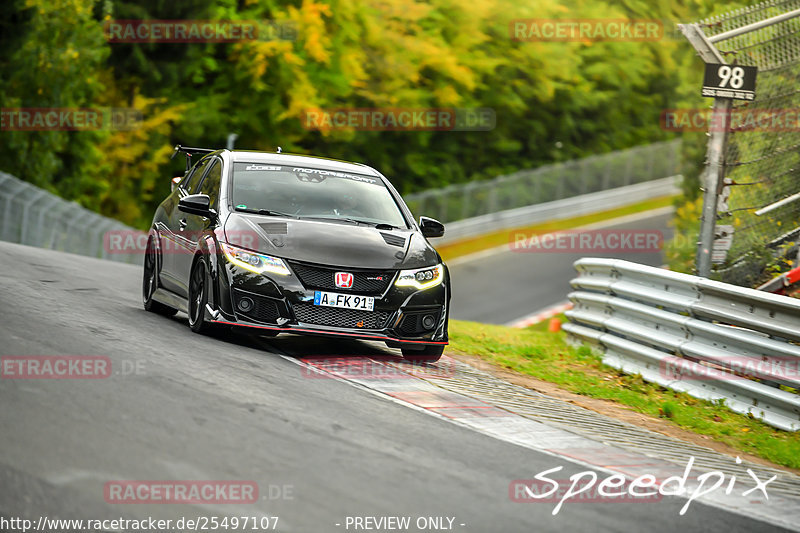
(283, 304)
(332, 332)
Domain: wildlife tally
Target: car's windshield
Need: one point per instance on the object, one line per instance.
(314, 193)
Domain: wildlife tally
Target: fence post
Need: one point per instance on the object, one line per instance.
(7, 216)
(714, 172)
(25, 210)
(493, 198)
(465, 201)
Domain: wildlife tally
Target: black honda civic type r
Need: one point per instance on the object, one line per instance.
(297, 244)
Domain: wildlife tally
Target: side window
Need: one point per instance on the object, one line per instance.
(190, 181)
(211, 183)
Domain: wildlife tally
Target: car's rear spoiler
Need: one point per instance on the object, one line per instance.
(189, 151)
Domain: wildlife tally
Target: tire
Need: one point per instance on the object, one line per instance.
(430, 354)
(150, 282)
(198, 297)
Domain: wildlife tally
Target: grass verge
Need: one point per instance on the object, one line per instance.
(546, 356)
(499, 238)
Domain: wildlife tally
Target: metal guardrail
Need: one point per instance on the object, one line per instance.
(549, 183)
(575, 206)
(710, 339)
(35, 217)
(30, 215)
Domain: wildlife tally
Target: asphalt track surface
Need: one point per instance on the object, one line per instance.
(225, 407)
(504, 286)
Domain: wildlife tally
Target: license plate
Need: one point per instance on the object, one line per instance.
(345, 301)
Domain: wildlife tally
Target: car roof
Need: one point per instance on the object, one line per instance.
(252, 156)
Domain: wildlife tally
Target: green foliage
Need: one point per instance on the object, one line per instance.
(53, 56)
(668, 409)
(553, 100)
(680, 251)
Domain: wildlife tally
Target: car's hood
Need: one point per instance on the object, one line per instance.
(330, 243)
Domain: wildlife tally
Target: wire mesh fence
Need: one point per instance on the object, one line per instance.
(32, 216)
(36, 217)
(549, 183)
(762, 155)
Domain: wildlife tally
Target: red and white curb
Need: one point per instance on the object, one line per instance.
(540, 316)
(415, 387)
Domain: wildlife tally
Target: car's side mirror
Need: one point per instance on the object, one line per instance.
(175, 181)
(197, 204)
(431, 227)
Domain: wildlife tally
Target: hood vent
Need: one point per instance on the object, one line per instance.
(394, 240)
(275, 228)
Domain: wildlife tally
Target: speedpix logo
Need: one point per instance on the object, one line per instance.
(588, 487)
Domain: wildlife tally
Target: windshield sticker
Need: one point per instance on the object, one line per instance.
(261, 167)
(310, 175)
(319, 172)
(309, 178)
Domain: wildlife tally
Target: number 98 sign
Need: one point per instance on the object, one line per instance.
(730, 81)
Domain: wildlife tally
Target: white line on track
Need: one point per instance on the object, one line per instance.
(505, 425)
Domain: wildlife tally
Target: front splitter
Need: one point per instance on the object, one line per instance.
(327, 332)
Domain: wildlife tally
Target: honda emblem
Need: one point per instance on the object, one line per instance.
(344, 280)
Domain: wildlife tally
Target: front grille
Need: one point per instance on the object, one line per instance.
(340, 318)
(264, 309)
(372, 282)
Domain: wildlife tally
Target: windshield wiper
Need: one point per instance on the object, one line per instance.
(267, 212)
(378, 225)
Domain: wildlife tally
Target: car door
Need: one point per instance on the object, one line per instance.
(172, 235)
(192, 227)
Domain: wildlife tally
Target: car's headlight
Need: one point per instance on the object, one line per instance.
(254, 262)
(421, 278)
